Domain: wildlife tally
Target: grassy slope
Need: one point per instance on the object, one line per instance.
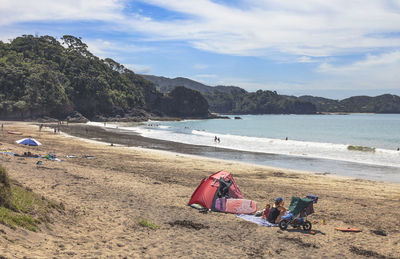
(20, 207)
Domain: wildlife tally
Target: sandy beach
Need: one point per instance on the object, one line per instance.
(107, 189)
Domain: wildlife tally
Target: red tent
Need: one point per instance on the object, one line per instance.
(220, 184)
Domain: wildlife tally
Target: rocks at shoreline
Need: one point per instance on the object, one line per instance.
(76, 117)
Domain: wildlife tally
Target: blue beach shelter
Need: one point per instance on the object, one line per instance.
(29, 142)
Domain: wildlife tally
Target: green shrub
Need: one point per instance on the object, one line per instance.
(14, 219)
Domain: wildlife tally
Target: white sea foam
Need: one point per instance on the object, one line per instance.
(101, 124)
(381, 157)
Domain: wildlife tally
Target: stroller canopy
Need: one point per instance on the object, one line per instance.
(302, 206)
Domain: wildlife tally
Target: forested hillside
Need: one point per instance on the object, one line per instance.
(260, 102)
(40, 76)
(233, 99)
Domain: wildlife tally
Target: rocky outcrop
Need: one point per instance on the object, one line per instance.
(76, 117)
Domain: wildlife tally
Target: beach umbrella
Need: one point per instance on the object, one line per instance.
(29, 142)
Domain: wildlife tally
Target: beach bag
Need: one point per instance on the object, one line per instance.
(220, 204)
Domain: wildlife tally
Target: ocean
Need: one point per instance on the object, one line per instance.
(317, 143)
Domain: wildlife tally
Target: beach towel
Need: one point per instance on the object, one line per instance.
(7, 153)
(257, 220)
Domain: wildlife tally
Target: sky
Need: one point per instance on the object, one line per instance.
(329, 48)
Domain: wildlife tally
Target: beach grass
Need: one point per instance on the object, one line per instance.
(361, 148)
(20, 207)
(14, 219)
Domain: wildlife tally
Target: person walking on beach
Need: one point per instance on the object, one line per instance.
(218, 140)
(215, 139)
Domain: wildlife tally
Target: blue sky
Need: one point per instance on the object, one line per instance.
(332, 48)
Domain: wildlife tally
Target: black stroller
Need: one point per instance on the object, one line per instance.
(299, 209)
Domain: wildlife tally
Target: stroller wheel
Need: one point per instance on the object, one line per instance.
(307, 225)
(283, 224)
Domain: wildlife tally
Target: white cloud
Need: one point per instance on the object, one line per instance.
(99, 47)
(305, 59)
(105, 48)
(138, 68)
(385, 60)
(200, 66)
(48, 10)
(373, 72)
(310, 28)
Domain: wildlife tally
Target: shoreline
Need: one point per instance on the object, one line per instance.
(205, 158)
(349, 169)
(106, 195)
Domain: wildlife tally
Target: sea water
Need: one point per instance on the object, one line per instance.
(317, 143)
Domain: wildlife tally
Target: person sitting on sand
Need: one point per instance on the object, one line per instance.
(277, 211)
(265, 211)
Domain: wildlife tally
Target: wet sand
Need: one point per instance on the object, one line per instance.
(107, 193)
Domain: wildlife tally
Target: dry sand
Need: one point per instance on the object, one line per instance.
(106, 196)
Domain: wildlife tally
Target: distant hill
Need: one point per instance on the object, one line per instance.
(165, 84)
(236, 100)
(386, 103)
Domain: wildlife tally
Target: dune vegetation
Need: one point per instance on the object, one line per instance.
(20, 207)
